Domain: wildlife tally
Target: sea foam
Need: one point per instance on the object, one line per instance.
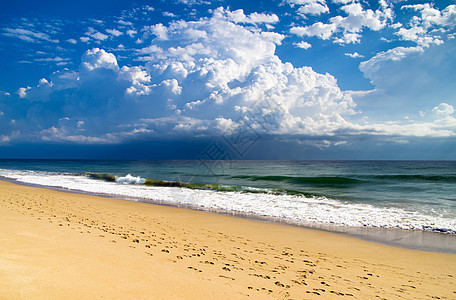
(130, 180)
(297, 209)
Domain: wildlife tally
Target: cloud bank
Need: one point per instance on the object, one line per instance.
(219, 74)
(202, 77)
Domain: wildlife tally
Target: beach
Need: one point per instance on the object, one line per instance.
(67, 245)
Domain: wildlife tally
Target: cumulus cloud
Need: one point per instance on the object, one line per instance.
(131, 33)
(197, 76)
(99, 58)
(441, 124)
(96, 35)
(318, 29)
(348, 38)
(309, 7)
(431, 16)
(354, 55)
(238, 16)
(345, 29)
(22, 92)
(374, 64)
(63, 134)
(407, 81)
(303, 45)
(169, 14)
(404, 70)
(444, 109)
(212, 76)
(114, 32)
(160, 31)
(431, 27)
(358, 17)
(125, 23)
(6, 138)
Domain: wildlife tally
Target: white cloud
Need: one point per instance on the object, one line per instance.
(349, 38)
(420, 36)
(347, 29)
(207, 77)
(431, 27)
(28, 35)
(160, 31)
(238, 16)
(310, 7)
(448, 17)
(407, 79)
(358, 18)
(84, 39)
(169, 14)
(98, 58)
(114, 32)
(431, 16)
(4, 139)
(56, 59)
(343, 1)
(72, 41)
(354, 55)
(396, 54)
(214, 69)
(98, 36)
(125, 23)
(137, 78)
(131, 33)
(150, 49)
(43, 82)
(323, 31)
(194, 2)
(64, 134)
(444, 109)
(441, 124)
(303, 45)
(273, 37)
(22, 92)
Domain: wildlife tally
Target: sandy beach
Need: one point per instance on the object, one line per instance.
(63, 245)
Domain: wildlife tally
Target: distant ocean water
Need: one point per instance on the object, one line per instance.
(417, 195)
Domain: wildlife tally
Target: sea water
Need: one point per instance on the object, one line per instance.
(365, 198)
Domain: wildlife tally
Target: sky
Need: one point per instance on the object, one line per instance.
(196, 79)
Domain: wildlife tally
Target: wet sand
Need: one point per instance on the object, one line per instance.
(64, 245)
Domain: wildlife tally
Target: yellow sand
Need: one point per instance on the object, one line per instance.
(56, 245)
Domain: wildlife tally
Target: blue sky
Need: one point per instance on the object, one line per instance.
(286, 79)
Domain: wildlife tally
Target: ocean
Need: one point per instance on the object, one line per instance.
(402, 202)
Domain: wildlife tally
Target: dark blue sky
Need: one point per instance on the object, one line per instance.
(292, 79)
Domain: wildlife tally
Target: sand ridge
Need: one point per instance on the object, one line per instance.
(56, 244)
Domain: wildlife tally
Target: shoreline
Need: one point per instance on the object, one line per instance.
(407, 239)
(66, 245)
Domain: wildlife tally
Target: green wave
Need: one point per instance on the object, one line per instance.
(106, 177)
(435, 178)
(304, 180)
(204, 186)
